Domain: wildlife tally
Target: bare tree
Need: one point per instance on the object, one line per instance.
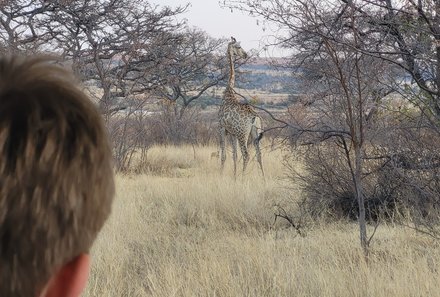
(19, 31)
(196, 65)
(127, 53)
(363, 58)
(345, 86)
(403, 33)
(116, 44)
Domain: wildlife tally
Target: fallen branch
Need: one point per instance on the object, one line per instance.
(283, 214)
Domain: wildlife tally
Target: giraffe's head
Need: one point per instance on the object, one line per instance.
(234, 49)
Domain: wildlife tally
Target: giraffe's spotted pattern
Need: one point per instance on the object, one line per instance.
(238, 119)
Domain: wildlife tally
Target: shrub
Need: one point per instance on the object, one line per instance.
(397, 183)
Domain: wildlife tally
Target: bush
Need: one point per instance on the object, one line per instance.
(134, 131)
(397, 183)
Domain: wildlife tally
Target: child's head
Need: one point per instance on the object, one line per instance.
(56, 178)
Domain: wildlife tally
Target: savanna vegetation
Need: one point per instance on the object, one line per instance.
(183, 229)
(350, 204)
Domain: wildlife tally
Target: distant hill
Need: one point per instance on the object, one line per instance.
(268, 61)
(260, 83)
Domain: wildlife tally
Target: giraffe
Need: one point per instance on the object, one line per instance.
(238, 119)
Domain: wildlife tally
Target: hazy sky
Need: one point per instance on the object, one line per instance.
(221, 22)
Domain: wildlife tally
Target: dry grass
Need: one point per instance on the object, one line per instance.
(198, 233)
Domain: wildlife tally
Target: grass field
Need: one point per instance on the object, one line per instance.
(185, 230)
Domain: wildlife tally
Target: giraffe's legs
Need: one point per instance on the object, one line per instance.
(234, 154)
(244, 153)
(258, 152)
(222, 133)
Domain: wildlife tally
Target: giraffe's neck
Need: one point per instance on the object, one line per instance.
(231, 81)
(229, 96)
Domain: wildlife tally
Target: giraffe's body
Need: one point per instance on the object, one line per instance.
(238, 119)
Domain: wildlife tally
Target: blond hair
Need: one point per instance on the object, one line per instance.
(56, 177)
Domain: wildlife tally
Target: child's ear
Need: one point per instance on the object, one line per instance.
(70, 280)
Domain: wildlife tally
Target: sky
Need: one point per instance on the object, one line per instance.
(221, 22)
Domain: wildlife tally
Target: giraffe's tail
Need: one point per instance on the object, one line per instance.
(260, 136)
(257, 129)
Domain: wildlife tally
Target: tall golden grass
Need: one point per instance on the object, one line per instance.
(183, 229)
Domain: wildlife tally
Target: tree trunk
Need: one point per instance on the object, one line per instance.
(360, 196)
